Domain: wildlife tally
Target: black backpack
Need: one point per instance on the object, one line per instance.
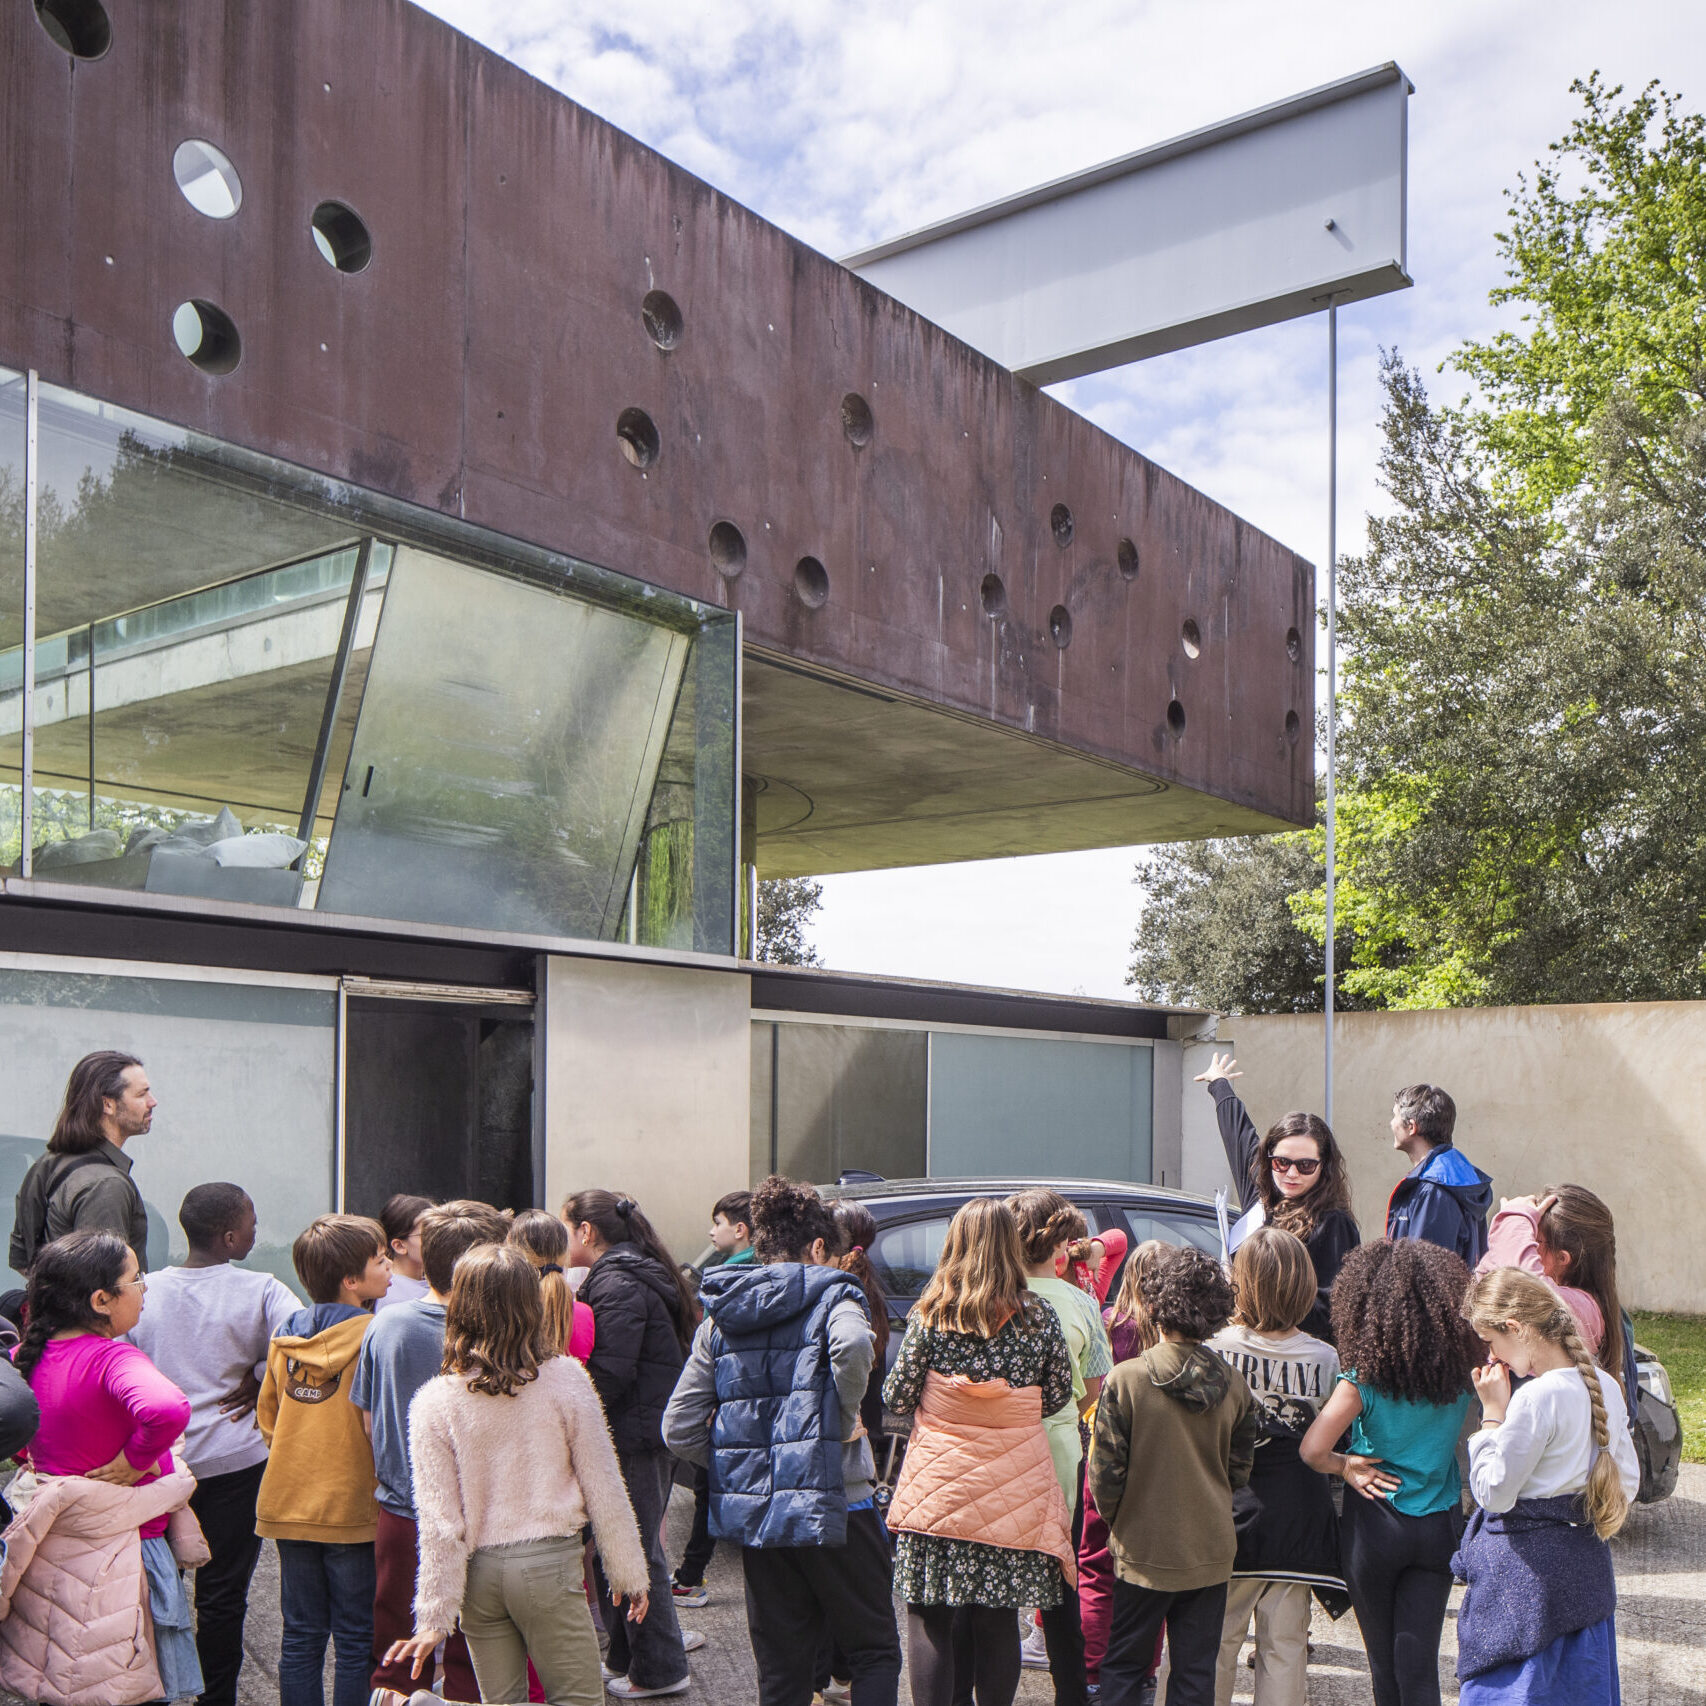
(29, 1226)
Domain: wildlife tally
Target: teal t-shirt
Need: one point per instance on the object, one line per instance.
(1417, 1442)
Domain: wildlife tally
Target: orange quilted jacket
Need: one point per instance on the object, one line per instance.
(978, 1468)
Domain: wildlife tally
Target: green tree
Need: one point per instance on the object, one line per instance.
(1522, 807)
(786, 907)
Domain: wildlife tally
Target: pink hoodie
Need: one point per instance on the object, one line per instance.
(1514, 1242)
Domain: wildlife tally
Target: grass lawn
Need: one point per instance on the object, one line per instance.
(1679, 1342)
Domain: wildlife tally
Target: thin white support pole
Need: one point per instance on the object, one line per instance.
(1332, 669)
(26, 824)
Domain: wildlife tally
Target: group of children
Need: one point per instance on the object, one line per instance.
(432, 1438)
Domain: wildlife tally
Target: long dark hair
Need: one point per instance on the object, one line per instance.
(1398, 1320)
(1301, 1215)
(858, 1229)
(1580, 1226)
(67, 1273)
(93, 1079)
(618, 1220)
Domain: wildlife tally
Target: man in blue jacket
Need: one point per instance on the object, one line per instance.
(1444, 1198)
(769, 1400)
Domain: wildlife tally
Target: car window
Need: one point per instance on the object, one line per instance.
(905, 1256)
(1171, 1228)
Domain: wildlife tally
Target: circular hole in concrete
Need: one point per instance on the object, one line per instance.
(1292, 725)
(1190, 637)
(1060, 626)
(661, 317)
(81, 27)
(1293, 644)
(207, 178)
(811, 583)
(637, 434)
(1060, 525)
(857, 421)
(1128, 559)
(728, 549)
(1175, 716)
(993, 594)
(340, 236)
(207, 335)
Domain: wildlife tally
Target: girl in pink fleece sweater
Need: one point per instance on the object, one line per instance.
(511, 1459)
(106, 1411)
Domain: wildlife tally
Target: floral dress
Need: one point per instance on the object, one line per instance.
(1029, 1350)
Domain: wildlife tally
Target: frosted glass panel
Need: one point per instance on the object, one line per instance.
(1035, 1108)
(505, 756)
(849, 1096)
(244, 1074)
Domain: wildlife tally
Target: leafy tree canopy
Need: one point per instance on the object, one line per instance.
(786, 907)
(1522, 806)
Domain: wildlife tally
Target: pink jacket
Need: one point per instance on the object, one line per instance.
(74, 1623)
(1513, 1241)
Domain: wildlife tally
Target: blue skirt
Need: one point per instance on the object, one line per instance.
(174, 1632)
(1576, 1670)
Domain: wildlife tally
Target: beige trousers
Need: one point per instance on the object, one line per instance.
(1281, 1611)
(527, 1600)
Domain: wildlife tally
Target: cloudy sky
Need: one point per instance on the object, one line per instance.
(848, 124)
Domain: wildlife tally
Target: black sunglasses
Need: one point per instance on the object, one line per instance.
(1303, 1169)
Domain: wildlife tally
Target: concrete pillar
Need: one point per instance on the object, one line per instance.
(647, 1088)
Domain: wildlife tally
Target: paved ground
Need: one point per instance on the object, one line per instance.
(1661, 1571)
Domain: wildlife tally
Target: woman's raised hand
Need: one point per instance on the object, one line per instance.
(1221, 1066)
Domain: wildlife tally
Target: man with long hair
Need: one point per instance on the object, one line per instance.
(83, 1182)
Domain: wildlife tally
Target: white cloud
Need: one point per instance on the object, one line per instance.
(848, 125)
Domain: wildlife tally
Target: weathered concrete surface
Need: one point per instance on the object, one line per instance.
(1603, 1096)
(976, 547)
(1661, 1632)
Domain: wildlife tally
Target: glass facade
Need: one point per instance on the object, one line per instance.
(257, 685)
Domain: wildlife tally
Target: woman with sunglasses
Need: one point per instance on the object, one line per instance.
(1297, 1173)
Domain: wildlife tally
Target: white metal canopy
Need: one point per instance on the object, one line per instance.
(1238, 225)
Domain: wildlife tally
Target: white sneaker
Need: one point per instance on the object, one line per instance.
(623, 1689)
(838, 1690)
(691, 1640)
(1033, 1650)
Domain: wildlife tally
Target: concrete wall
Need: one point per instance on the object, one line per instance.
(647, 1088)
(1603, 1096)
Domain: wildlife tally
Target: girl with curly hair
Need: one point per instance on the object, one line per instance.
(1296, 1172)
(512, 1460)
(1537, 1622)
(981, 1527)
(1406, 1353)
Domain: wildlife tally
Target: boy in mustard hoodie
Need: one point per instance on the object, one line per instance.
(316, 1497)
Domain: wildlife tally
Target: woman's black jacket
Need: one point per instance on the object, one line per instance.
(636, 1357)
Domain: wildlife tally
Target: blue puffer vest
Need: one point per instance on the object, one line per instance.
(776, 1477)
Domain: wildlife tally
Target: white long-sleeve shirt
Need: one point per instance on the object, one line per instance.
(1544, 1446)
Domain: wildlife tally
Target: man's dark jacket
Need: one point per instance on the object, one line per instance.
(91, 1191)
(1443, 1200)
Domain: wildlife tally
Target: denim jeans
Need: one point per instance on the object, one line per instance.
(325, 1591)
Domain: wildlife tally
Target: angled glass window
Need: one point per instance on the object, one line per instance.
(254, 684)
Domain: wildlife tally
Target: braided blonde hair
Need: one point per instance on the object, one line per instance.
(1507, 1298)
